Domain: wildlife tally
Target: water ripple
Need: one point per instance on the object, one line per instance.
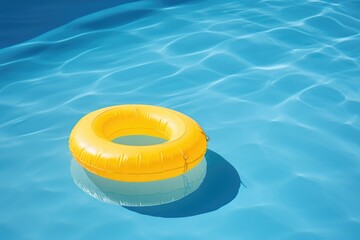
(274, 84)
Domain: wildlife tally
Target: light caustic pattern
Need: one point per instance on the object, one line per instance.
(275, 84)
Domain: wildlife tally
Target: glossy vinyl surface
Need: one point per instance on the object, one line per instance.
(91, 143)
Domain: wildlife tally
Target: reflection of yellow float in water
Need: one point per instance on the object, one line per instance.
(138, 193)
(91, 143)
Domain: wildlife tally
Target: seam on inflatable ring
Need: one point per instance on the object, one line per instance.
(196, 159)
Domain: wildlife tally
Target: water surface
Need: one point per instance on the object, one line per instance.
(275, 84)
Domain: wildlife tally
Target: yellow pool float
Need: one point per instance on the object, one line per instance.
(91, 143)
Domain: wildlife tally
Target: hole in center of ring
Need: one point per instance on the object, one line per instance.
(139, 140)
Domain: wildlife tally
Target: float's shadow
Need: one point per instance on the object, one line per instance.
(220, 186)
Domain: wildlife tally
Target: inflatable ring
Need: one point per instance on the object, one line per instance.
(91, 143)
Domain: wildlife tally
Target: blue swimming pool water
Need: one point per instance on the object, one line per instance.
(275, 84)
